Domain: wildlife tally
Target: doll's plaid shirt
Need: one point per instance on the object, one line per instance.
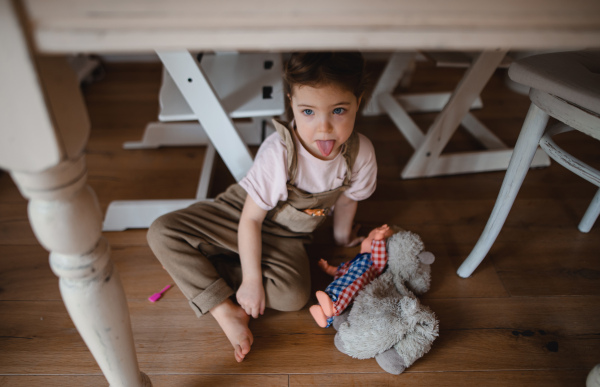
(355, 275)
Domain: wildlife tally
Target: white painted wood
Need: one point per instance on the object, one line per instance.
(194, 85)
(524, 151)
(593, 378)
(460, 59)
(534, 132)
(480, 161)
(582, 120)
(429, 102)
(66, 219)
(63, 210)
(159, 134)
(238, 80)
(402, 120)
(576, 166)
(286, 25)
(445, 124)
(24, 118)
(566, 159)
(124, 214)
(66, 103)
(396, 67)
(206, 173)
(591, 214)
(431, 162)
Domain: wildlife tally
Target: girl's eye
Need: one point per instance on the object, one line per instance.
(308, 112)
(338, 110)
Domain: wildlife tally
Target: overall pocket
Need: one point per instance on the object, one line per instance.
(295, 220)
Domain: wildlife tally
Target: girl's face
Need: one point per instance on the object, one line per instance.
(324, 117)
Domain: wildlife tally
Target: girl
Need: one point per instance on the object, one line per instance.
(251, 237)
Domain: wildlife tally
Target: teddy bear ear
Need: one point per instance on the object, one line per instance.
(426, 257)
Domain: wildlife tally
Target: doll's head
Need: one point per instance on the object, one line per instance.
(324, 91)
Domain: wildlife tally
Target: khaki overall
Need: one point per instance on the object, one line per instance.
(198, 245)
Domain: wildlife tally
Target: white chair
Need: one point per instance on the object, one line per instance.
(593, 379)
(565, 86)
(222, 87)
(428, 158)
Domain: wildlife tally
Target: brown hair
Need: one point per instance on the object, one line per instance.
(343, 69)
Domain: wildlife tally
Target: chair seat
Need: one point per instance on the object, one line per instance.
(572, 76)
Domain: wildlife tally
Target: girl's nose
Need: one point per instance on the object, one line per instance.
(325, 126)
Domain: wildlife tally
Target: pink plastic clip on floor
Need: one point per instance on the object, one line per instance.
(156, 296)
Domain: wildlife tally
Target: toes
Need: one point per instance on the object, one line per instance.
(239, 356)
(245, 346)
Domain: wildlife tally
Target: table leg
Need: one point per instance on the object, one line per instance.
(66, 219)
(43, 132)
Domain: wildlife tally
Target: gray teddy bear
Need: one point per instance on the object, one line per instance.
(387, 321)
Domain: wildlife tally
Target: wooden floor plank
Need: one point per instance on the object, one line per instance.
(14, 225)
(560, 315)
(25, 274)
(157, 381)
(536, 334)
(546, 378)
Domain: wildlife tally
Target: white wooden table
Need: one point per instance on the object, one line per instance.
(44, 126)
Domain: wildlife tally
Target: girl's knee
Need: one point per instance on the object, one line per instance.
(291, 297)
(162, 236)
(156, 231)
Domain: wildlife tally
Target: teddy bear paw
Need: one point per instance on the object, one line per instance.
(390, 361)
(339, 320)
(339, 344)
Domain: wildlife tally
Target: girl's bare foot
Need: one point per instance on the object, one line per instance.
(234, 322)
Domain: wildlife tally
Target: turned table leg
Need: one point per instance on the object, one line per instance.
(66, 218)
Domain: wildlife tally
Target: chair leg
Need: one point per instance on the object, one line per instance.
(593, 379)
(524, 151)
(591, 214)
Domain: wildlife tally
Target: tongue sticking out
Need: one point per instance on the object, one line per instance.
(325, 147)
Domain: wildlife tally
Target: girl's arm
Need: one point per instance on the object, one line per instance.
(343, 216)
(251, 294)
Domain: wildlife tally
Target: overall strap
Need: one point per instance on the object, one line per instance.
(350, 152)
(288, 139)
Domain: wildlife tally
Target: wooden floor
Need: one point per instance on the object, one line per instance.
(529, 316)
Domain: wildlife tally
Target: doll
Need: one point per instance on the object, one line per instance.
(350, 277)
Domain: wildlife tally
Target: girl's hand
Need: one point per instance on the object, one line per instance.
(353, 239)
(251, 297)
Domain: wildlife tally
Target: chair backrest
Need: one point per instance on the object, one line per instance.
(248, 85)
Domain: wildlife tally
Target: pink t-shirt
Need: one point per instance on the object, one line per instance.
(266, 180)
